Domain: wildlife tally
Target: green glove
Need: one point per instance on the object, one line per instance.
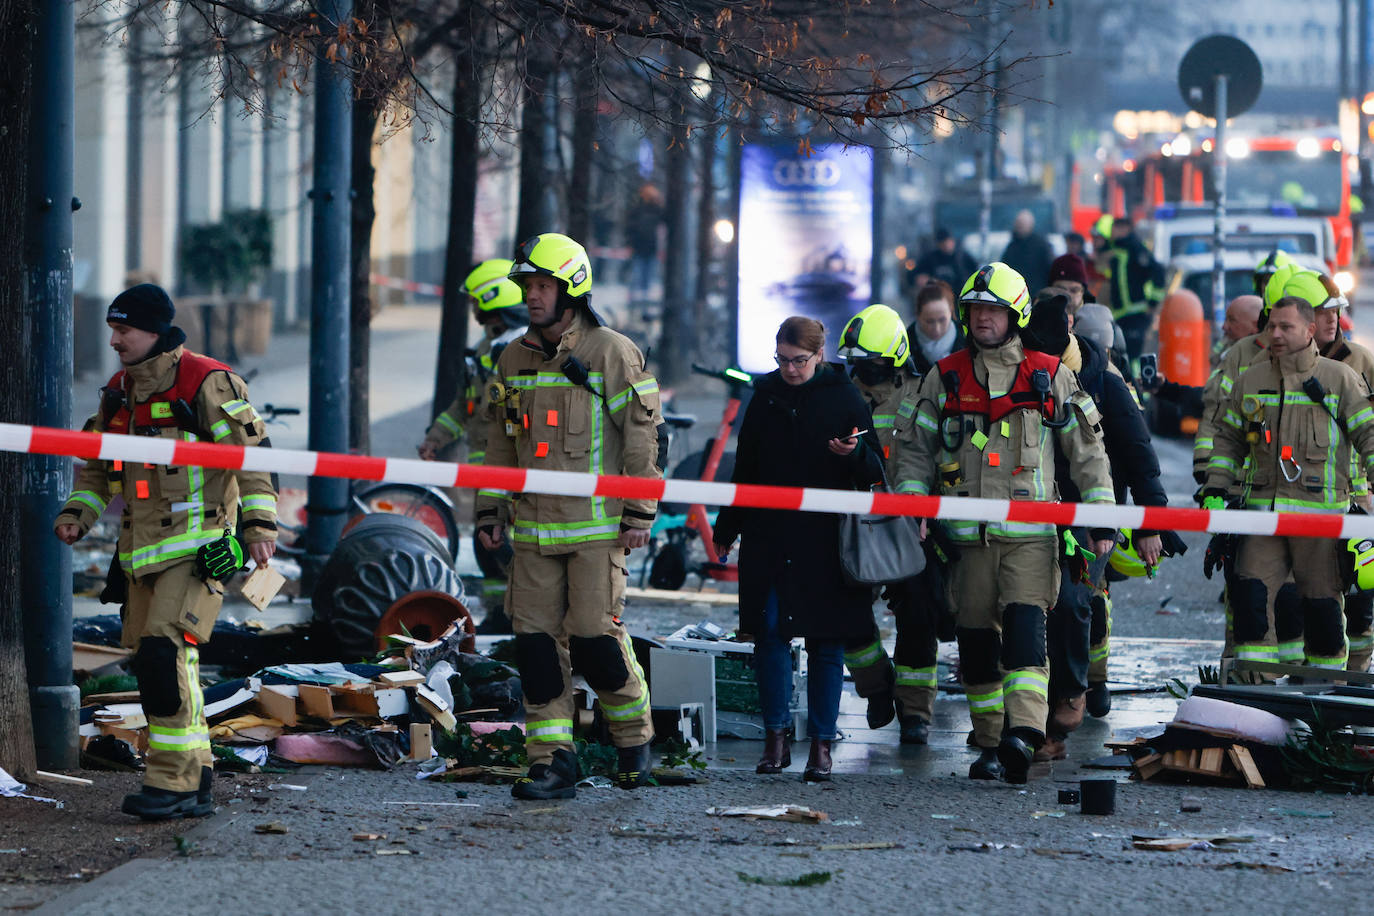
(220, 559)
(1213, 502)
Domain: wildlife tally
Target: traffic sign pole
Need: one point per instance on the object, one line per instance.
(1219, 210)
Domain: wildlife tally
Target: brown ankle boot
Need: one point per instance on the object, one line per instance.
(777, 751)
(818, 762)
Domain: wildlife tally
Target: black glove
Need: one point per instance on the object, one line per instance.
(1173, 545)
(1221, 551)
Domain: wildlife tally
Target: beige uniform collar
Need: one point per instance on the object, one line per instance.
(1296, 367)
(1002, 363)
(535, 338)
(154, 374)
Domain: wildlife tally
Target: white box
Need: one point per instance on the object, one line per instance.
(686, 671)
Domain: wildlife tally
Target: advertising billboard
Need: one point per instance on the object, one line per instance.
(805, 242)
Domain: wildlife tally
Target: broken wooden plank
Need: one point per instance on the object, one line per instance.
(1211, 760)
(1149, 766)
(1240, 756)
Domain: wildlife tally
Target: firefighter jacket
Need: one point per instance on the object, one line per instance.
(1135, 276)
(599, 416)
(1297, 418)
(1234, 363)
(171, 512)
(1362, 361)
(468, 412)
(883, 401)
(977, 428)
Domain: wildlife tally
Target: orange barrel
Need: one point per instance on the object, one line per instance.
(1184, 339)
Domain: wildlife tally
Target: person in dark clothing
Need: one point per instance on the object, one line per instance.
(641, 234)
(806, 426)
(1028, 252)
(946, 262)
(1079, 623)
(934, 334)
(1135, 279)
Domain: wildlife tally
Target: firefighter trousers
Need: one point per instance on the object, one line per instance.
(1264, 564)
(1001, 593)
(565, 611)
(910, 672)
(167, 615)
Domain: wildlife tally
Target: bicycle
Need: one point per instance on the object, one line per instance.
(668, 567)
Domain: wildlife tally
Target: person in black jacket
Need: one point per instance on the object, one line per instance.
(1079, 623)
(806, 426)
(934, 334)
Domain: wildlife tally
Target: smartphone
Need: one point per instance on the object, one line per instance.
(853, 435)
(1149, 371)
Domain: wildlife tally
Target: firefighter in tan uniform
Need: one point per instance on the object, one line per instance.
(985, 423)
(1293, 424)
(874, 344)
(572, 395)
(176, 542)
(1332, 344)
(498, 307)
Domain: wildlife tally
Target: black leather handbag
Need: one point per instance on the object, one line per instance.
(878, 549)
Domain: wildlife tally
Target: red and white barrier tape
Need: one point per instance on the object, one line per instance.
(410, 286)
(38, 440)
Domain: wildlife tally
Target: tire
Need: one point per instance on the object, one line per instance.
(689, 468)
(426, 505)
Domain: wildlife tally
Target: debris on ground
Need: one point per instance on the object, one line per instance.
(1176, 843)
(273, 827)
(793, 813)
(1213, 741)
(13, 788)
(810, 879)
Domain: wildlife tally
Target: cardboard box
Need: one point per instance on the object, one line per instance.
(421, 741)
(278, 701)
(352, 700)
(438, 710)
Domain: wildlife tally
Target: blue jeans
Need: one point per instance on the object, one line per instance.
(773, 670)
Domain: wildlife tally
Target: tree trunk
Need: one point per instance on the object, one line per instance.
(678, 336)
(583, 147)
(450, 370)
(16, 83)
(365, 114)
(533, 216)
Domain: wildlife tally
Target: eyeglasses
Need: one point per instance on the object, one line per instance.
(796, 362)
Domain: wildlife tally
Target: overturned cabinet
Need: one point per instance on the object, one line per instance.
(719, 675)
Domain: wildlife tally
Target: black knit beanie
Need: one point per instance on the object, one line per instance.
(145, 306)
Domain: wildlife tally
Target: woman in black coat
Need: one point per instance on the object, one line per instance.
(798, 431)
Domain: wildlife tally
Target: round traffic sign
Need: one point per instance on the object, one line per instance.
(1220, 55)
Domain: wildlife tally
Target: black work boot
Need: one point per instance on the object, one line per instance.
(1099, 699)
(915, 730)
(206, 793)
(1015, 753)
(881, 709)
(986, 766)
(634, 767)
(154, 804)
(556, 779)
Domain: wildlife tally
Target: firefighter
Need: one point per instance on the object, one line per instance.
(498, 308)
(176, 541)
(984, 424)
(1329, 301)
(875, 346)
(1134, 279)
(1236, 360)
(1080, 621)
(1300, 420)
(571, 395)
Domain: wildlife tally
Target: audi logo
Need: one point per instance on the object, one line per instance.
(821, 173)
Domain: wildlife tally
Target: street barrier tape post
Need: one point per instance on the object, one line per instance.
(38, 440)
